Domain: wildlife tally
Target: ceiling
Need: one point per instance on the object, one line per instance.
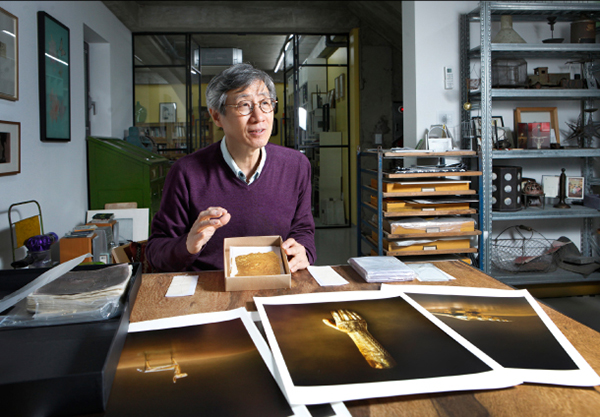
(259, 28)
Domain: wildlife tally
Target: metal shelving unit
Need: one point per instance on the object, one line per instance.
(482, 102)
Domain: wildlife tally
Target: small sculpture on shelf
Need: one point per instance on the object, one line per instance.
(584, 131)
(533, 193)
(562, 191)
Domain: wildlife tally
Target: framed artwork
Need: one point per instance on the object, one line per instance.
(575, 187)
(539, 115)
(10, 148)
(497, 121)
(168, 112)
(54, 79)
(9, 56)
(550, 184)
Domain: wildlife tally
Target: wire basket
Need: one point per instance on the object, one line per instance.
(530, 252)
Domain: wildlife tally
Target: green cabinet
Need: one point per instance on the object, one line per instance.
(121, 172)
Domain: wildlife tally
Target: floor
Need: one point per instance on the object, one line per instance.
(336, 245)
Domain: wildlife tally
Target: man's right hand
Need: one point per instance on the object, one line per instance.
(204, 227)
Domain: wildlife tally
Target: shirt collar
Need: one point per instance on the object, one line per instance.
(236, 170)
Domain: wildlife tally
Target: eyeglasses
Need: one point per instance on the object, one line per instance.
(245, 107)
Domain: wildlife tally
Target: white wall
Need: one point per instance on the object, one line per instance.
(430, 42)
(55, 174)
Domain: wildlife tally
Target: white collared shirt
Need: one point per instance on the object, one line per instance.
(236, 170)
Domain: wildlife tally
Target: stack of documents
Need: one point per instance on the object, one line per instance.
(85, 291)
(382, 269)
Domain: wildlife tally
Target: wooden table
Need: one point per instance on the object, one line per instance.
(522, 400)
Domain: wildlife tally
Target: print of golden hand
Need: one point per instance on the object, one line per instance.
(355, 326)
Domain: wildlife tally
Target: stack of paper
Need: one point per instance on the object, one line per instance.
(85, 291)
(382, 269)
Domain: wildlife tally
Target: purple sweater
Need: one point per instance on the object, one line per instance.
(278, 202)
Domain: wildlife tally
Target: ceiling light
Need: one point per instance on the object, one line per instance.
(279, 62)
(56, 59)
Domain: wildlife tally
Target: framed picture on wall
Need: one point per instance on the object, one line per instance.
(168, 112)
(10, 148)
(54, 79)
(9, 56)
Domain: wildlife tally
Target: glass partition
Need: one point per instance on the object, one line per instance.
(163, 93)
(316, 94)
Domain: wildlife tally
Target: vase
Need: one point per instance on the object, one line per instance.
(507, 34)
(140, 113)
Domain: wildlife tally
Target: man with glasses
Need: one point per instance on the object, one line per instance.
(240, 186)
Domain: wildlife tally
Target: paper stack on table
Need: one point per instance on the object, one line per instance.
(382, 269)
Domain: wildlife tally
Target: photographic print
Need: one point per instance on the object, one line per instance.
(366, 344)
(10, 148)
(9, 56)
(168, 112)
(550, 185)
(213, 364)
(510, 327)
(575, 189)
(54, 79)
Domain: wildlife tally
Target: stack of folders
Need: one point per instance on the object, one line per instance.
(381, 269)
(87, 292)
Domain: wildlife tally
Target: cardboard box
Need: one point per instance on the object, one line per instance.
(72, 247)
(420, 186)
(433, 225)
(60, 370)
(265, 282)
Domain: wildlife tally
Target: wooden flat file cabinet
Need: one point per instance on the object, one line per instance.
(394, 218)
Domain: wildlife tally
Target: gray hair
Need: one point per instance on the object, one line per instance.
(238, 77)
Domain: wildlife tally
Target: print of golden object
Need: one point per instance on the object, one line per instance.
(355, 326)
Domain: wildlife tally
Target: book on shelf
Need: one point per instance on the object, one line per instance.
(102, 217)
(83, 233)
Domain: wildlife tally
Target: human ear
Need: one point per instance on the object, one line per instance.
(216, 116)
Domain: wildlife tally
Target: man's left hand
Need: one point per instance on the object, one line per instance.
(296, 253)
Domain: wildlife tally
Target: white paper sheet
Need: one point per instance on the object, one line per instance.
(583, 376)
(430, 272)
(293, 310)
(325, 276)
(182, 285)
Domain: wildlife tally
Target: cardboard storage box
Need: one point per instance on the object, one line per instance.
(429, 225)
(265, 282)
(60, 370)
(420, 186)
